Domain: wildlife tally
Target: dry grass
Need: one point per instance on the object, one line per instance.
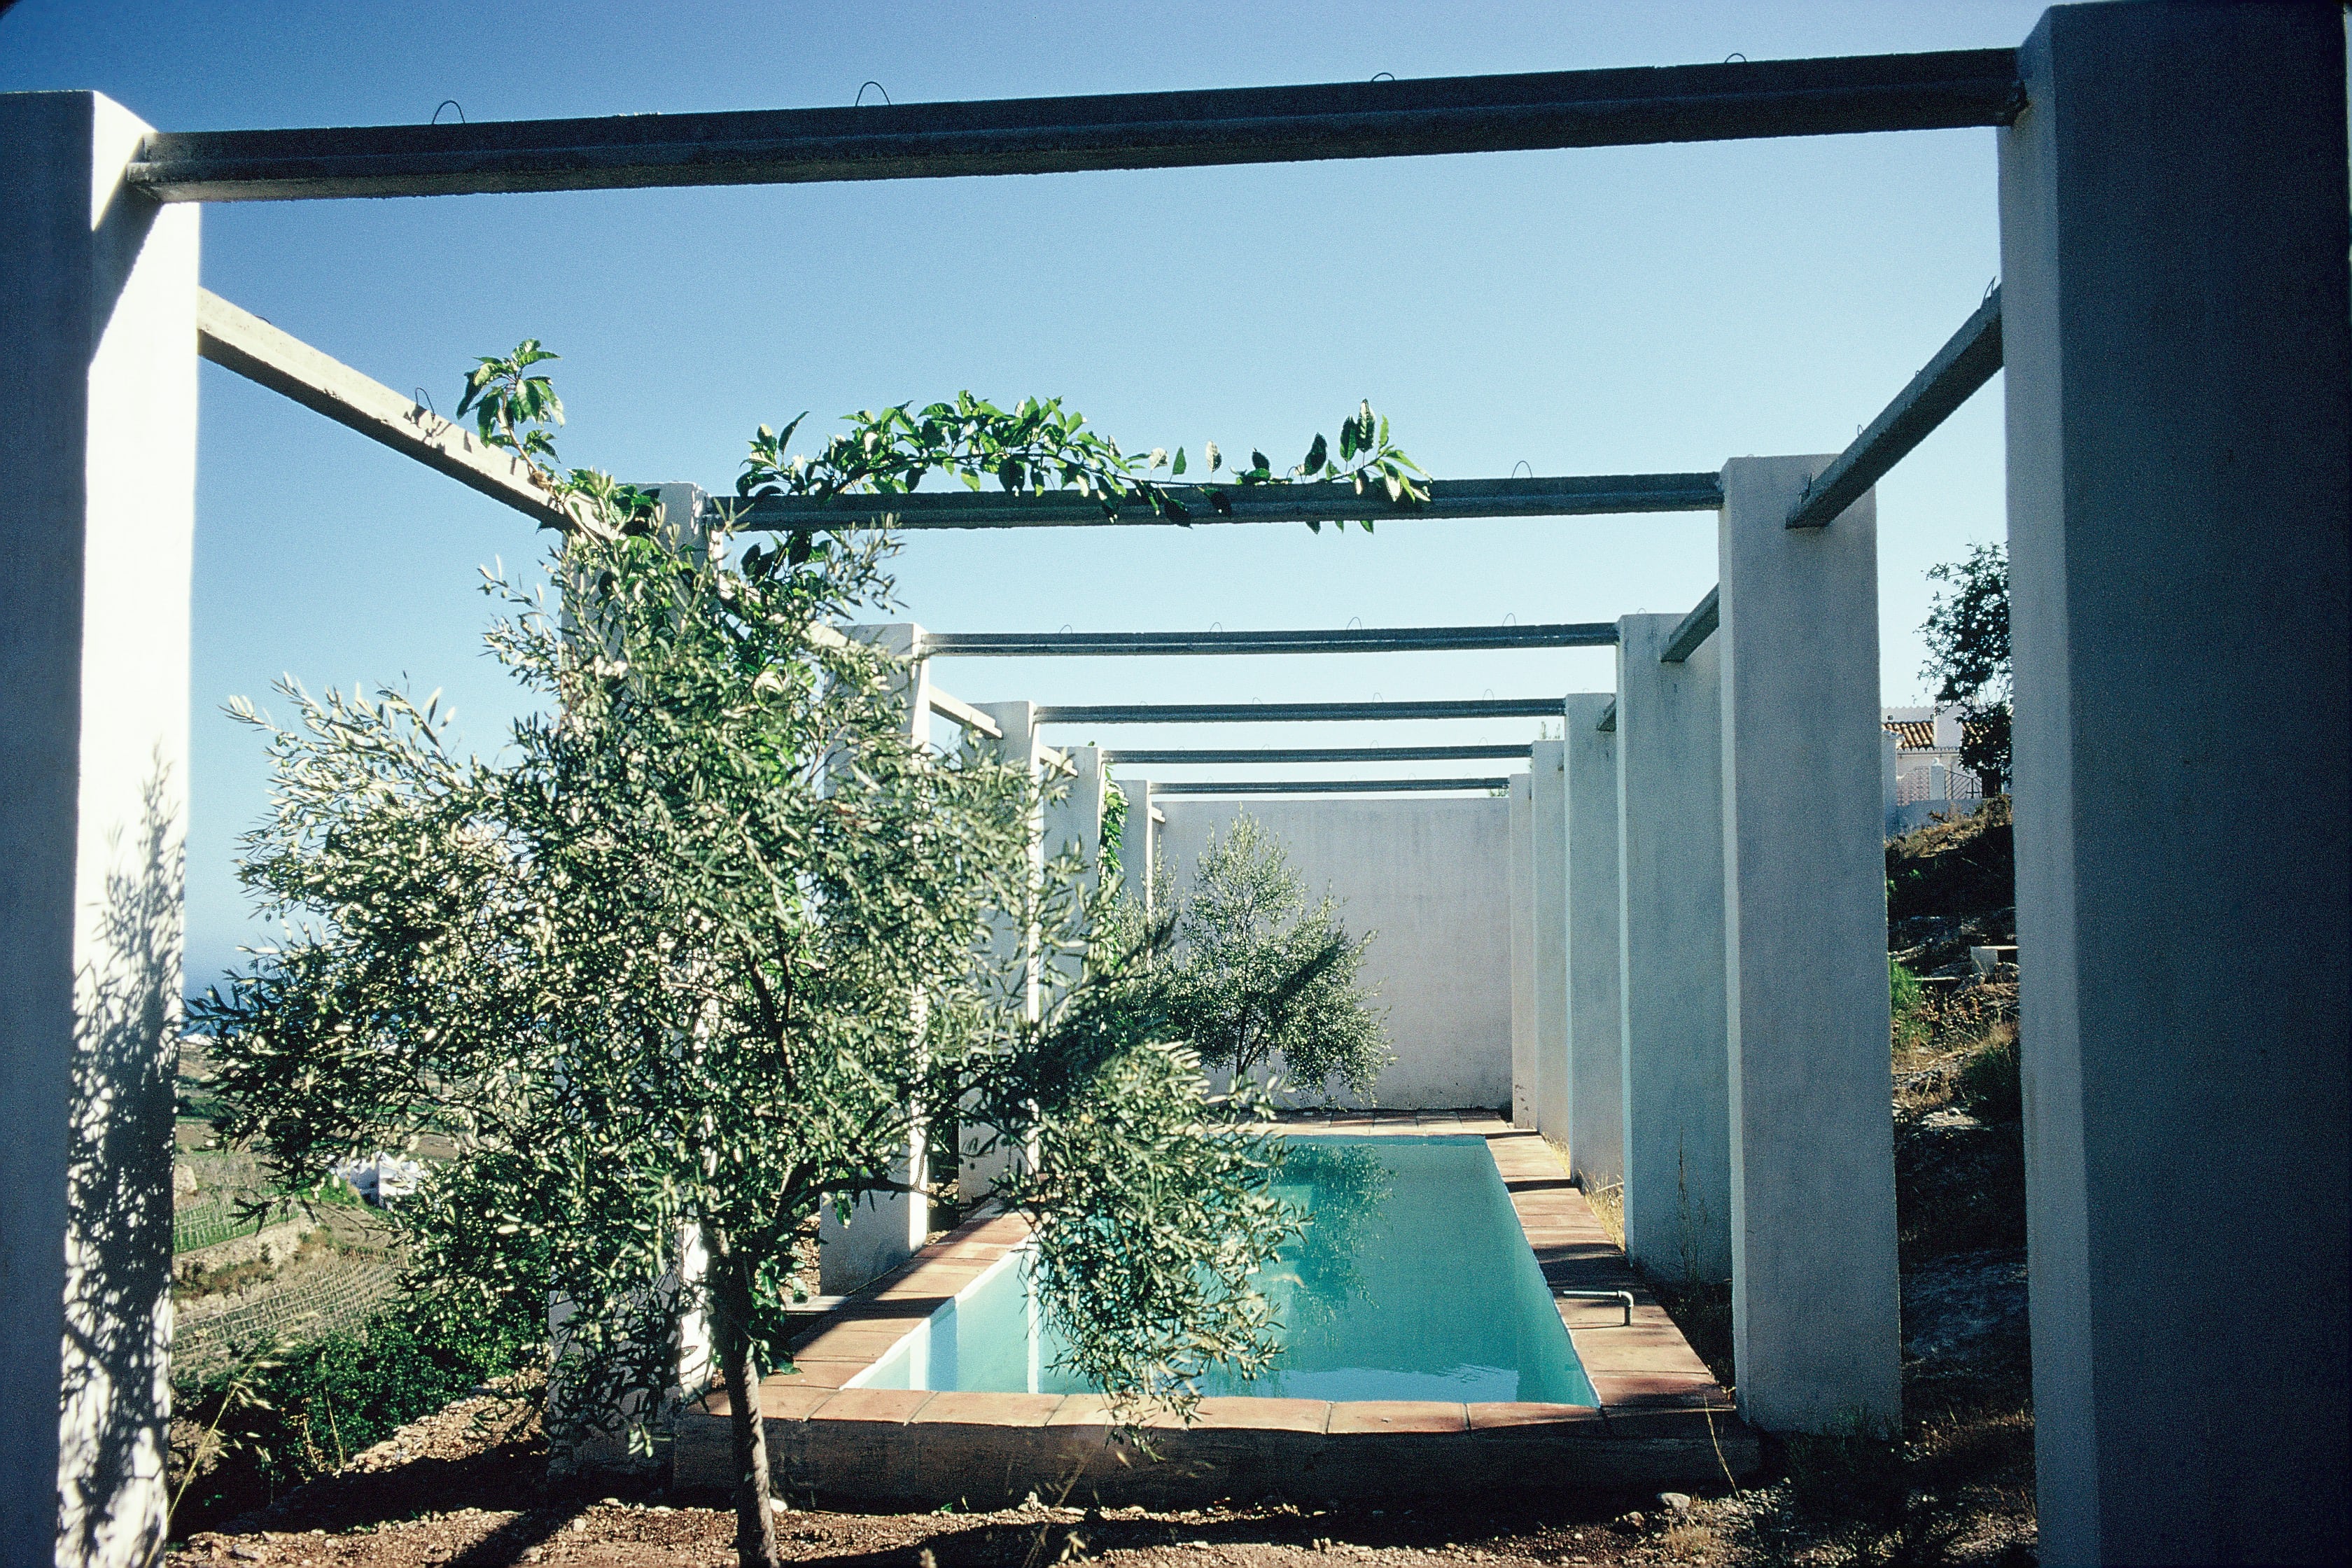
(1608, 1206)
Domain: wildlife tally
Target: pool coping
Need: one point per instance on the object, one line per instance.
(1661, 1419)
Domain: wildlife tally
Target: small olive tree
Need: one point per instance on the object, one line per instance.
(687, 960)
(1265, 982)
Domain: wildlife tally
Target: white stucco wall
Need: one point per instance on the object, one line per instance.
(1430, 877)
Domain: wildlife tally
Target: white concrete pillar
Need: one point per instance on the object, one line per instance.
(1548, 845)
(1073, 828)
(1596, 1108)
(884, 1229)
(902, 640)
(1137, 843)
(1522, 869)
(98, 450)
(982, 1165)
(1674, 1066)
(2175, 305)
(1074, 812)
(1816, 1308)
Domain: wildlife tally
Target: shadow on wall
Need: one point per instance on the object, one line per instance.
(115, 1400)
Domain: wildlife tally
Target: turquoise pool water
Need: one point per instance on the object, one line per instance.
(1413, 1281)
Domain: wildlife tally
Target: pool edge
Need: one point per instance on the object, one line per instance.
(1662, 1420)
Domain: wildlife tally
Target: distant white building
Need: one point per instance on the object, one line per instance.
(1920, 768)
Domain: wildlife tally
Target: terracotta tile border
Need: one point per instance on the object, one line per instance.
(1661, 1419)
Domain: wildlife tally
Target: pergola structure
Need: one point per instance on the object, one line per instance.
(2177, 328)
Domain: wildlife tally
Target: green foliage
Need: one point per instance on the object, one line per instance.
(1904, 995)
(1114, 827)
(689, 957)
(1267, 983)
(1989, 1087)
(252, 1432)
(1968, 658)
(1038, 445)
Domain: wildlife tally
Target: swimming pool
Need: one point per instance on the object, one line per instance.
(1413, 1281)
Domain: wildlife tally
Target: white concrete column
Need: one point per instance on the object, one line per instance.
(98, 450)
(980, 1168)
(2175, 305)
(902, 640)
(1137, 844)
(1548, 845)
(1815, 1304)
(1675, 1062)
(884, 1229)
(1073, 826)
(1521, 867)
(1074, 812)
(1596, 1108)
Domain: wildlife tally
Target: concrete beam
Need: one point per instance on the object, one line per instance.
(1596, 1105)
(1352, 639)
(239, 340)
(1548, 844)
(1816, 1308)
(2173, 245)
(1338, 786)
(1521, 869)
(1194, 506)
(98, 398)
(1675, 1062)
(1325, 753)
(958, 711)
(1298, 712)
(1694, 629)
(1960, 367)
(1608, 108)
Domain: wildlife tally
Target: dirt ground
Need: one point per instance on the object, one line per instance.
(466, 1489)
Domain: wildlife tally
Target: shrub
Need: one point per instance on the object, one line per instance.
(255, 1431)
(1990, 1088)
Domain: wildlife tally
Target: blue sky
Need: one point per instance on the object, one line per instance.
(1585, 311)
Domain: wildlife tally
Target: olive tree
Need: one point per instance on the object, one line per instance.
(1262, 982)
(689, 958)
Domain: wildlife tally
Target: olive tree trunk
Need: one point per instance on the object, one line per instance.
(755, 1518)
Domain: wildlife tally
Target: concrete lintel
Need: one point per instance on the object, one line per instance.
(237, 340)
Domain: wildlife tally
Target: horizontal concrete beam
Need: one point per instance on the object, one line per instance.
(1581, 495)
(1622, 107)
(1695, 629)
(1325, 754)
(1354, 639)
(964, 713)
(239, 340)
(1950, 379)
(1331, 786)
(1298, 712)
